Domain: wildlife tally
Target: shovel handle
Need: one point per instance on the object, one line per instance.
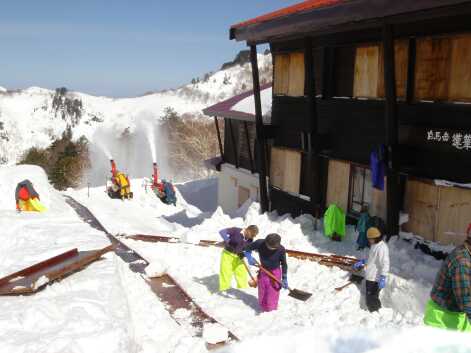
(268, 273)
(343, 287)
(248, 270)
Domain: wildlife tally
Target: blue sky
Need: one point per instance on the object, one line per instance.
(121, 47)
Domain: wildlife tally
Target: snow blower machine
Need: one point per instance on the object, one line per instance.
(164, 189)
(118, 186)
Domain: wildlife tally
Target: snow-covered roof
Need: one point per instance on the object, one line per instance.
(242, 106)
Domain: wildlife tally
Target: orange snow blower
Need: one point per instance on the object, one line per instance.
(164, 190)
(118, 186)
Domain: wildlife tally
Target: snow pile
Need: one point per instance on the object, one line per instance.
(215, 333)
(11, 176)
(412, 340)
(2, 89)
(156, 269)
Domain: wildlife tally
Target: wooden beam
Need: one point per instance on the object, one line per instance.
(392, 132)
(328, 73)
(261, 147)
(234, 145)
(312, 137)
(411, 71)
(252, 166)
(219, 138)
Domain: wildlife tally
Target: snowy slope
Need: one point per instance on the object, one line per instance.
(103, 308)
(31, 117)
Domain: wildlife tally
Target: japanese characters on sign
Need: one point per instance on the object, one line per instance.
(460, 141)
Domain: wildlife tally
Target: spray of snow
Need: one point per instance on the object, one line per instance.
(150, 134)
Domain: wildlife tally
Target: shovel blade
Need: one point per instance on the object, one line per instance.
(299, 294)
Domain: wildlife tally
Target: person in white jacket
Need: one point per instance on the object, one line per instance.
(376, 268)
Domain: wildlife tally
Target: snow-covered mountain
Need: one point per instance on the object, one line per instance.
(34, 117)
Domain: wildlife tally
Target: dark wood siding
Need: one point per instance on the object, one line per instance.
(241, 150)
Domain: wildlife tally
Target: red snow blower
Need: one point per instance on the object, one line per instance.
(164, 190)
(118, 186)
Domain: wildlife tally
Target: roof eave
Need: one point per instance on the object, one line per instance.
(332, 17)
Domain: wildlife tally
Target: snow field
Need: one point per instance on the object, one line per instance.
(103, 308)
(108, 308)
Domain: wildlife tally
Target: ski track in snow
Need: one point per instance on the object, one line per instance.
(108, 308)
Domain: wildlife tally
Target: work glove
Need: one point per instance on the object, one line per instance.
(284, 282)
(382, 282)
(250, 259)
(359, 264)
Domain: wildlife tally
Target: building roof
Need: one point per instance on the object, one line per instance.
(242, 106)
(309, 17)
(303, 6)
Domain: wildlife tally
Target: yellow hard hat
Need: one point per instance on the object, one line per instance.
(373, 233)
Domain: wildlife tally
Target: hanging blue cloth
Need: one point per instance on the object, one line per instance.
(377, 169)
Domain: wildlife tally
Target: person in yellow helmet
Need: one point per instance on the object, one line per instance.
(376, 268)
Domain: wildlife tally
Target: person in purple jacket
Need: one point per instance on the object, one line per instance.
(235, 240)
(273, 258)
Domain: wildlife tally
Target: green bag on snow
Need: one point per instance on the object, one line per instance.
(334, 221)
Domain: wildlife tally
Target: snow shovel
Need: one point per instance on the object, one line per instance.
(253, 281)
(339, 289)
(295, 293)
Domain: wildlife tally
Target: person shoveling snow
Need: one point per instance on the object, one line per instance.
(272, 256)
(235, 239)
(27, 198)
(376, 268)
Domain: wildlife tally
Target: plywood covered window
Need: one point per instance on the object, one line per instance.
(285, 169)
(443, 68)
(369, 70)
(359, 70)
(437, 213)
(289, 74)
(337, 184)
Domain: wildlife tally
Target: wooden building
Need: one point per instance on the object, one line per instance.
(351, 76)
(239, 163)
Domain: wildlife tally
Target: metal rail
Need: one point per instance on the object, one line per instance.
(165, 287)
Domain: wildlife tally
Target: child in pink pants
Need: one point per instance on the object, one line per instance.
(273, 258)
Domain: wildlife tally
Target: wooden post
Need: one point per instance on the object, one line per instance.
(219, 137)
(252, 166)
(312, 135)
(234, 145)
(391, 123)
(261, 147)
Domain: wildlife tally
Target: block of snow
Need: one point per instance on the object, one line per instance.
(215, 333)
(156, 269)
(191, 237)
(40, 282)
(181, 314)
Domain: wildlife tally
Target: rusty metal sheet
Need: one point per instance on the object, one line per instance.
(36, 277)
(165, 288)
(330, 260)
